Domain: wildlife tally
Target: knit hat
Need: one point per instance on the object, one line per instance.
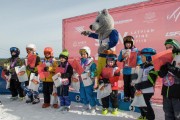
(64, 54)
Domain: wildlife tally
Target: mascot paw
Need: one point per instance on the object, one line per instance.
(85, 33)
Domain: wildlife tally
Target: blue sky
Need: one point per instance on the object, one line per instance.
(40, 21)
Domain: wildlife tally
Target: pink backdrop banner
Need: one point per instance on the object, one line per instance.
(150, 23)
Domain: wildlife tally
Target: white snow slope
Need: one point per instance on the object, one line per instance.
(19, 110)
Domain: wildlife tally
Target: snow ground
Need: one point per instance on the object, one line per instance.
(19, 110)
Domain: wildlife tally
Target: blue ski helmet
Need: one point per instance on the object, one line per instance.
(112, 57)
(148, 52)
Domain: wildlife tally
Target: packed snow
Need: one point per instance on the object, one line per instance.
(19, 110)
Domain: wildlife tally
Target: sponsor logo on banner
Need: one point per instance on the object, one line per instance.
(170, 34)
(123, 21)
(150, 17)
(175, 15)
(79, 28)
(141, 36)
(79, 43)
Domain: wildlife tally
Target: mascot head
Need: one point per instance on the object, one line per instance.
(103, 23)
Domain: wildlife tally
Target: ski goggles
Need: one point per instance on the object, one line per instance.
(13, 49)
(47, 53)
(172, 42)
(29, 49)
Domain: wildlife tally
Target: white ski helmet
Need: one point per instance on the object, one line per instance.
(86, 49)
(31, 46)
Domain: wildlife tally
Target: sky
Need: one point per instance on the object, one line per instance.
(40, 21)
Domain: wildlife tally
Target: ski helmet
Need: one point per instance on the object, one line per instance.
(85, 49)
(148, 52)
(31, 46)
(173, 42)
(128, 39)
(16, 50)
(48, 50)
(112, 57)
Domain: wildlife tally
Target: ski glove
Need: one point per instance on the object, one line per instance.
(163, 70)
(46, 69)
(134, 76)
(85, 33)
(173, 69)
(6, 72)
(29, 68)
(137, 87)
(104, 80)
(176, 50)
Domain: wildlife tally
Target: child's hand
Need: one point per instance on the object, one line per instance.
(102, 88)
(125, 55)
(59, 74)
(132, 83)
(95, 86)
(138, 92)
(89, 74)
(54, 94)
(74, 80)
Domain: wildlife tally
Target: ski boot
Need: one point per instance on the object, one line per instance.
(104, 111)
(85, 108)
(93, 110)
(142, 118)
(14, 98)
(61, 108)
(35, 101)
(67, 108)
(21, 98)
(45, 105)
(55, 106)
(115, 111)
(29, 99)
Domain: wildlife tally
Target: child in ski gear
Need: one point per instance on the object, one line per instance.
(63, 90)
(32, 96)
(146, 83)
(123, 57)
(111, 79)
(9, 68)
(51, 64)
(170, 72)
(86, 79)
